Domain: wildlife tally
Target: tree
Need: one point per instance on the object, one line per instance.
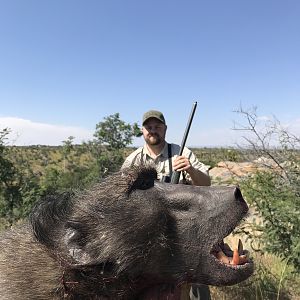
(19, 187)
(10, 196)
(67, 148)
(115, 133)
(111, 137)
(275, 191)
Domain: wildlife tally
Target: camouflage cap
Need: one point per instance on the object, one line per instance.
(153, 114)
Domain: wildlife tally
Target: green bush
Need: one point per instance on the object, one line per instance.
(274, 191)
(278, 205)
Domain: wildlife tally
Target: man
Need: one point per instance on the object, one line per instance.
(166, 159)
(164, 155)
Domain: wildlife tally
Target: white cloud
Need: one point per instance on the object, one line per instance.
(25, 132)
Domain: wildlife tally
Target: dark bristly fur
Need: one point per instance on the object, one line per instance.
(120, 238)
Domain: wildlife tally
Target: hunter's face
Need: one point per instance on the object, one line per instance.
(154, 132)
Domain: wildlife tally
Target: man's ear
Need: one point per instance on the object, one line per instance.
(140, 132)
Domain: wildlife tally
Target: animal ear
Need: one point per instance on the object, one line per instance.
(53, 228)
(143, 178)
(48, 217)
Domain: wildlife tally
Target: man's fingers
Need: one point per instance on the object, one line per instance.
(180, 160)
(181, 163)
(182, 169)
(182, 166)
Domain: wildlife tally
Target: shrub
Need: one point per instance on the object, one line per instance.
(275, 192)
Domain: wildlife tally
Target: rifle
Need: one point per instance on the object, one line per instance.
(176, 175)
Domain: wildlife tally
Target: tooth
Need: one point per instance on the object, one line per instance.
(246, 254)
(222, 257)
(243, 259)
(235, 258)
(240, 247)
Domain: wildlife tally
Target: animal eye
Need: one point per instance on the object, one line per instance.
(144, 185)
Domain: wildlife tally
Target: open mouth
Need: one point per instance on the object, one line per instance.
(225, 255)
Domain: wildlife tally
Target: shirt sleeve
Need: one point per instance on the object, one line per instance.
(197, 164)
(132, 159)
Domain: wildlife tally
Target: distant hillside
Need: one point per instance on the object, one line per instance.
(39, 157)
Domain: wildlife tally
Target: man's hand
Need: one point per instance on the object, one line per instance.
(181, 163)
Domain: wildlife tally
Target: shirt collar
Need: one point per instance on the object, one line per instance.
(163, 153)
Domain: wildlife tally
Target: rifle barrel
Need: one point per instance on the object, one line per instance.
(176, 175)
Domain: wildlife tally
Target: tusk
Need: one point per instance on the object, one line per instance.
(240, 247)
(235, 258)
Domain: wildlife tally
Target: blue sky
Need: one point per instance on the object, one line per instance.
(65, 65)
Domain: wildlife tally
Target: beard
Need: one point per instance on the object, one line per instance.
(154, 140)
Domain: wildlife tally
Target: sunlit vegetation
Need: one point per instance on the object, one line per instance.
(272, 234)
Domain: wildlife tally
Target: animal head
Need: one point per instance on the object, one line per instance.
(133, 228)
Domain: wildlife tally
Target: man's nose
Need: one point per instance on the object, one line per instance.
(152, 130)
